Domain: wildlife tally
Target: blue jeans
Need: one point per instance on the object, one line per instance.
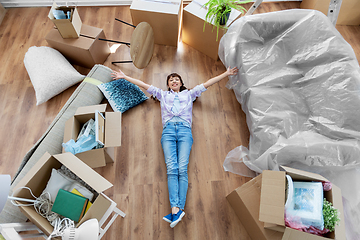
(176, 142)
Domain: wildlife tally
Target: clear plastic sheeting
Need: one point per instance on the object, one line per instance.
(299, 85)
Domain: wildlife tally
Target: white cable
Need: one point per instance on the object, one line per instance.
(22, 205)
(60, 226)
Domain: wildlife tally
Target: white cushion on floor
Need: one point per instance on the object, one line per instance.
(50, 72)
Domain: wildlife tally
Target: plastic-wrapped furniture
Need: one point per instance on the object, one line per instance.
(299, 85)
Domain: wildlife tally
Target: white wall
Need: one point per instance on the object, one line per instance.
(42, 3)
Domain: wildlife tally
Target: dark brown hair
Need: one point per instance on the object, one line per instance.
(182, 87)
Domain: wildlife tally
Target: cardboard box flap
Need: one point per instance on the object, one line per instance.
(338, 204)
(38, 165)
(51, 15)
(83, 114)
(99, 127)
(83, 171)
(272, 200)
(70, 131)
(300, 175)
(98, 209)
(91, 109)
(113, 129)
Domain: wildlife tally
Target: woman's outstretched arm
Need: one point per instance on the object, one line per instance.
(120, 74)
(229, 71)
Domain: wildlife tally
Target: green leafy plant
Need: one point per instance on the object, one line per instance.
(331, 216)
(219, 10)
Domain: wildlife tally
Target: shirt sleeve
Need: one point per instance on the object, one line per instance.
(155, 92)
(196, 91)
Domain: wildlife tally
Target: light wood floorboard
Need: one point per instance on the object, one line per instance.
(139, 172)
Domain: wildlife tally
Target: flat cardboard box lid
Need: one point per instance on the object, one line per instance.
(159, 6)
(195, 8)
(83, 171)
(301, 175)
(272, 200)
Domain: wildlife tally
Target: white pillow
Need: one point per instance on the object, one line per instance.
(60, 181)
(50, 72)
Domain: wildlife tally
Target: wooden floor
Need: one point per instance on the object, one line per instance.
(139, 172)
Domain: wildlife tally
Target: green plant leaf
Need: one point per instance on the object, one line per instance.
(331, 216)
(218, 9)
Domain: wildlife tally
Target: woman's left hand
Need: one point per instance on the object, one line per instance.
(232, 71)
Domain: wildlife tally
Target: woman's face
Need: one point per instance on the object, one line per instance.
(174, 84)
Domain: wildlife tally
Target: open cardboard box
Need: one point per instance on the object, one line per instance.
(68, 28)
(259, 204)
(110, 134)
(38, 176)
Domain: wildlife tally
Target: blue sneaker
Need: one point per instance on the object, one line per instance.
(176, 218)
(168, 218)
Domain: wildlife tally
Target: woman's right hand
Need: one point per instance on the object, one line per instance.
(117, 75)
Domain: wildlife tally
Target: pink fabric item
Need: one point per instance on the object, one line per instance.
(327, 186)
(298, 226)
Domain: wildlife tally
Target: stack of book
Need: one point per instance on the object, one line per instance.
(71, 205)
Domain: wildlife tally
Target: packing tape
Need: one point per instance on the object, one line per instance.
(93, 81)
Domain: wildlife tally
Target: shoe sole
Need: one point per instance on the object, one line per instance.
(173, 224)
(167, 220)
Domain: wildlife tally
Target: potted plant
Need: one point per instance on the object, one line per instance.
(219, 12)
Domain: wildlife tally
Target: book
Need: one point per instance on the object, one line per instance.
(79, 193)
(70, 205)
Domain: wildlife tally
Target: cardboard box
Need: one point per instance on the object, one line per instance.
(2, 13)
(87, 50)
(245, 201)
(36, 179)
(68, 28)
(193, 32)
(349, 12)
(111, 134)
(164, 16)
(263, 200)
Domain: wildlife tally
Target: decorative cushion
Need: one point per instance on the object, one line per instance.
(122, 94)
(60, 181)
(50, 72)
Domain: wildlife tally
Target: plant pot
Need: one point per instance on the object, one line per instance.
(224, 19)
